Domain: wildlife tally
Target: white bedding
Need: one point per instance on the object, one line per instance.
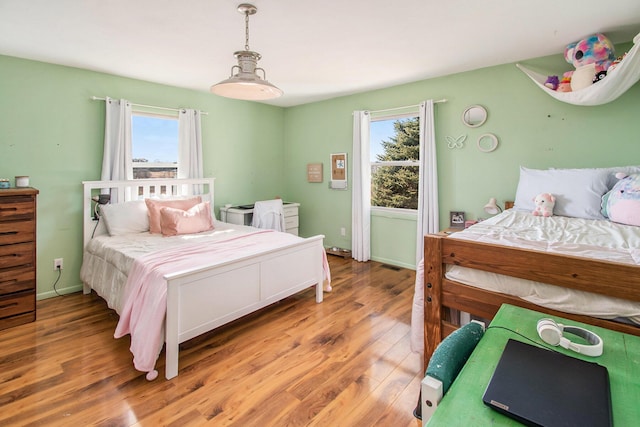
(108, 259)
(600, 239)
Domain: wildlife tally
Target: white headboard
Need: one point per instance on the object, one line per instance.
(138, 189)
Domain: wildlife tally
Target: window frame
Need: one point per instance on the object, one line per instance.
(372, 164)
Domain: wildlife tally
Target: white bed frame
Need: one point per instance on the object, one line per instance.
(200, 300)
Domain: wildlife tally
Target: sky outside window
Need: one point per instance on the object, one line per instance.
(155, 139)
(381, 130)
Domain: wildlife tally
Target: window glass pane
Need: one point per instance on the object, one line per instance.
(394, 186)
(154, 146)
(394, 140)
(380, 130)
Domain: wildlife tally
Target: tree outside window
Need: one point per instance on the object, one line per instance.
(395, 163)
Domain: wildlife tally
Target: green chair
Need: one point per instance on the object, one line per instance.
(445, 364)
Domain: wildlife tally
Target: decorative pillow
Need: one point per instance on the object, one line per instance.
(124, 218)
(578, 192)
(154, 207)
(177, 221)
(622, 203)
(612, 180)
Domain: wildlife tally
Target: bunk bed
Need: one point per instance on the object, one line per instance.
(578, 268)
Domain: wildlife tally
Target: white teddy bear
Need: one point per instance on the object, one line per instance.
(544, 204)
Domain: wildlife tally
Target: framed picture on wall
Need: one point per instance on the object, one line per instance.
(338, 171)
(456, 219)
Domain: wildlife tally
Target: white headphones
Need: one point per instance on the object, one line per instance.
(551, 333)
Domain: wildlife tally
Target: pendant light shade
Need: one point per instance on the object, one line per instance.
(246, 83)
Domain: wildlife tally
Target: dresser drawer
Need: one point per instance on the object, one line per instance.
(16, 255)
(290, 210)
(14, 280)
(23, 302)
(17, 232)
(290, 222)
(15, 208)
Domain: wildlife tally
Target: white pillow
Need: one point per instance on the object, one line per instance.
(578, 192)
(124, 218)
(611, 173)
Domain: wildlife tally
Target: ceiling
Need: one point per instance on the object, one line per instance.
(311, 50)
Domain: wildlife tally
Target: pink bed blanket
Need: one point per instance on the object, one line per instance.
(145, 293)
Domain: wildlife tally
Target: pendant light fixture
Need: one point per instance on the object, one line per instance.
(246, 83)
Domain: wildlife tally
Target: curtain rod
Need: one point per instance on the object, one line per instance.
(95, 98)
(440, 101)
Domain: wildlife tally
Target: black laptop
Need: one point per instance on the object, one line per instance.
(540, 387)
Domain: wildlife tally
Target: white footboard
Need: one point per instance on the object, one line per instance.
(201, 300)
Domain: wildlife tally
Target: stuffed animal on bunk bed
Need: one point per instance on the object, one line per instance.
(544, 204)
(622, 203)
(591, 57)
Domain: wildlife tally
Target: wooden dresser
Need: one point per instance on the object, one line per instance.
(17, 256)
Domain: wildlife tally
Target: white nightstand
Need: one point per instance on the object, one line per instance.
(243, 215)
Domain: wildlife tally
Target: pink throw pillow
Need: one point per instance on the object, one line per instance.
(154, 207)
(177, 221)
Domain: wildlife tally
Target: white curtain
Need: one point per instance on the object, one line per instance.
(428, 217)
(116, 160)
(190, 143)
(361, 191)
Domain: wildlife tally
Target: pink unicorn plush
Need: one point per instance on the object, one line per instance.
(622, 203)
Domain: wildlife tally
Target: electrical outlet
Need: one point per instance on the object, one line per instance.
(343, 231)
(57, 264)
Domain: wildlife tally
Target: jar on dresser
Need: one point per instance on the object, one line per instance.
(17, 256)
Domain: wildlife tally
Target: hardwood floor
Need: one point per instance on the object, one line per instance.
(345, 362)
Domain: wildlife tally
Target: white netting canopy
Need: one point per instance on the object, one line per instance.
(617, 81)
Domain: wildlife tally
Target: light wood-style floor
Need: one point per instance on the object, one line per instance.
(345, 362)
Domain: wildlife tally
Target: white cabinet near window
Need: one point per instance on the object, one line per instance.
(243, 215)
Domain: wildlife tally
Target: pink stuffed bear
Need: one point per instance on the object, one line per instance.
(544, 204)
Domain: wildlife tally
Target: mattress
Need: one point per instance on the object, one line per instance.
(108, 259)
(599, 239)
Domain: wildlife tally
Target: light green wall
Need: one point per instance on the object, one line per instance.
(52, 131)
(391, 235)
(534, 130)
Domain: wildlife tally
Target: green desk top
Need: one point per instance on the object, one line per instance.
(462, 405)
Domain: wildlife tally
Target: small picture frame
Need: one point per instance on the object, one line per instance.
(456, 219)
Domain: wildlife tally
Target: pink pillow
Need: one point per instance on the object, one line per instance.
(176, 221)
(154, 207)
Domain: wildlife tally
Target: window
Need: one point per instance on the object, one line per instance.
(395, 162)
(154, 145)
